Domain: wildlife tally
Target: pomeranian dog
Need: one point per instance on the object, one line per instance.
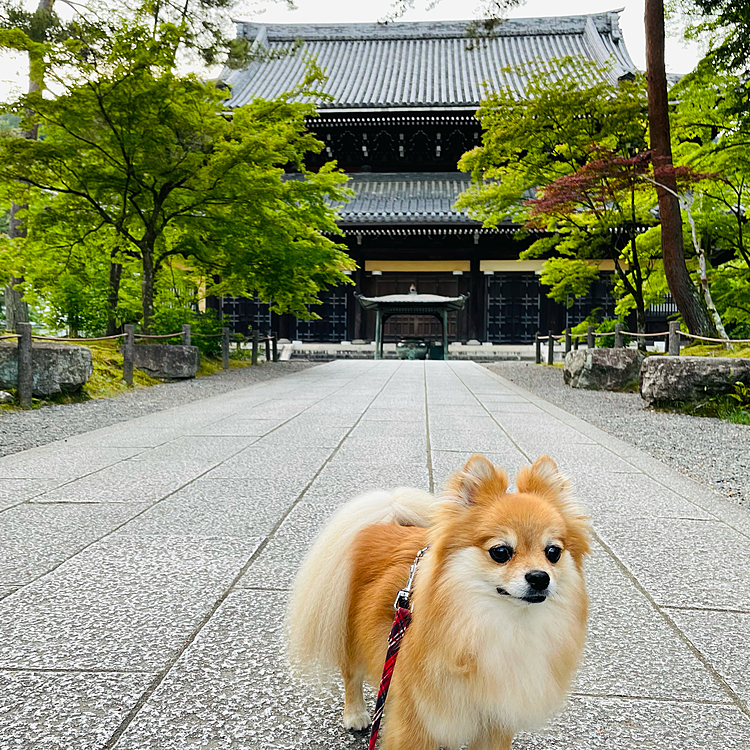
(499, 605)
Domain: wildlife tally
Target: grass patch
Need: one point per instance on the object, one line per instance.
(720, 407)
(716, 350)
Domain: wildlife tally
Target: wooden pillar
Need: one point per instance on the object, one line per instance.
(618, 336)
(445, 333)
(590, 338)
(674, 339)
(537, 349)
(128, 353)
(268, 347)
(225, 348)
(568, 342)
(551, 348)
(476, 302)
(378, 334)
(254, 360)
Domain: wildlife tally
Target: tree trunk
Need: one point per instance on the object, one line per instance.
(640, 305)
(685, 294)
(147, 288)
(16, 309)
(113, 299)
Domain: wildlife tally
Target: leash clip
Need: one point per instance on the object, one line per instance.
(403, 598)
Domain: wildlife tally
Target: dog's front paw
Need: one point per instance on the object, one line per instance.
(356, 718)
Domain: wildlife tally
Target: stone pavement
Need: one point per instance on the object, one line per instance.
(144, 567)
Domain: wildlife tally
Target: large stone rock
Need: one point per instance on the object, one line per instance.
(669, 379)
(603, 369)
(169, 361)
(55, 367)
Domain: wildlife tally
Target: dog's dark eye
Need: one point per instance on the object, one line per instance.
(553, 553)
(501, 554)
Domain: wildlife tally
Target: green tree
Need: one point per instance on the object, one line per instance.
(712, 135)
(727, 25)
(142, 158)
(596, 213)
(562, 161)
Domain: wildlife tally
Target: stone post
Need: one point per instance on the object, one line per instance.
(275, 347)
(568, 342)
(225, 348)
(186, 334)
(128, 353)
(551, 348)
(254, 360)
(25, 366)
(537, 349)
(268, 346)
(674, 339)
(618, 336)
(590, 339)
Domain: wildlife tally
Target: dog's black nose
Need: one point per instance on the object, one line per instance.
(537, 579)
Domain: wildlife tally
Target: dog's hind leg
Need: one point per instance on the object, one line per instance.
(356, 715)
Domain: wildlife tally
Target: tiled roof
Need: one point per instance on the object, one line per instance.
(413, 198)
(425, 64)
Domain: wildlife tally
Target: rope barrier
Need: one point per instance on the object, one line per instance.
(160, 336)
(718, 341)
(649, 336)
(63, 339)
(642, 335)
(9, 336)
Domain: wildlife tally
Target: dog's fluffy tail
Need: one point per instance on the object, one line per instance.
(320, 597)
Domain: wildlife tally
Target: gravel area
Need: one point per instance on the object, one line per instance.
(21, 430)
(711, 451)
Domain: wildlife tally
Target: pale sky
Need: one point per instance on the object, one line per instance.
(681, 58)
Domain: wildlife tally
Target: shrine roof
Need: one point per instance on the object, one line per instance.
(410, 197)
(412, 303)
(429, 65)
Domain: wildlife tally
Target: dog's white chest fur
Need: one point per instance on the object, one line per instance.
(512, 683)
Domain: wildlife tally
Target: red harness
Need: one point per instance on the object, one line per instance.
(401, 622)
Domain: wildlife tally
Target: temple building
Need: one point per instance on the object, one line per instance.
(400, 115)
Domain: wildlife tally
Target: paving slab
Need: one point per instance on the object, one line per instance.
(682, 562)
(722, 638)
(36, 538)
(124, 603)
(62, 463)
(594, 723)
(142, 600)
(231, 689)
(58, 711)
(128, 482)
(632, 649)
(15, 491)
(220, 508)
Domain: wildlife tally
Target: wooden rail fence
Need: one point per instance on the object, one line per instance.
(24, 336)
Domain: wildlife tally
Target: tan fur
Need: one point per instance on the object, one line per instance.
(476, 666)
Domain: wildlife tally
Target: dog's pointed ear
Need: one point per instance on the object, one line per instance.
(545, 479)
(542, 478)
(478, 472)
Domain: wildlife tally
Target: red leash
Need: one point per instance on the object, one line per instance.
(401, 622)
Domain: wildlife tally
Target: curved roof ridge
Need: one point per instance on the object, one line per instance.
(282, 32)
